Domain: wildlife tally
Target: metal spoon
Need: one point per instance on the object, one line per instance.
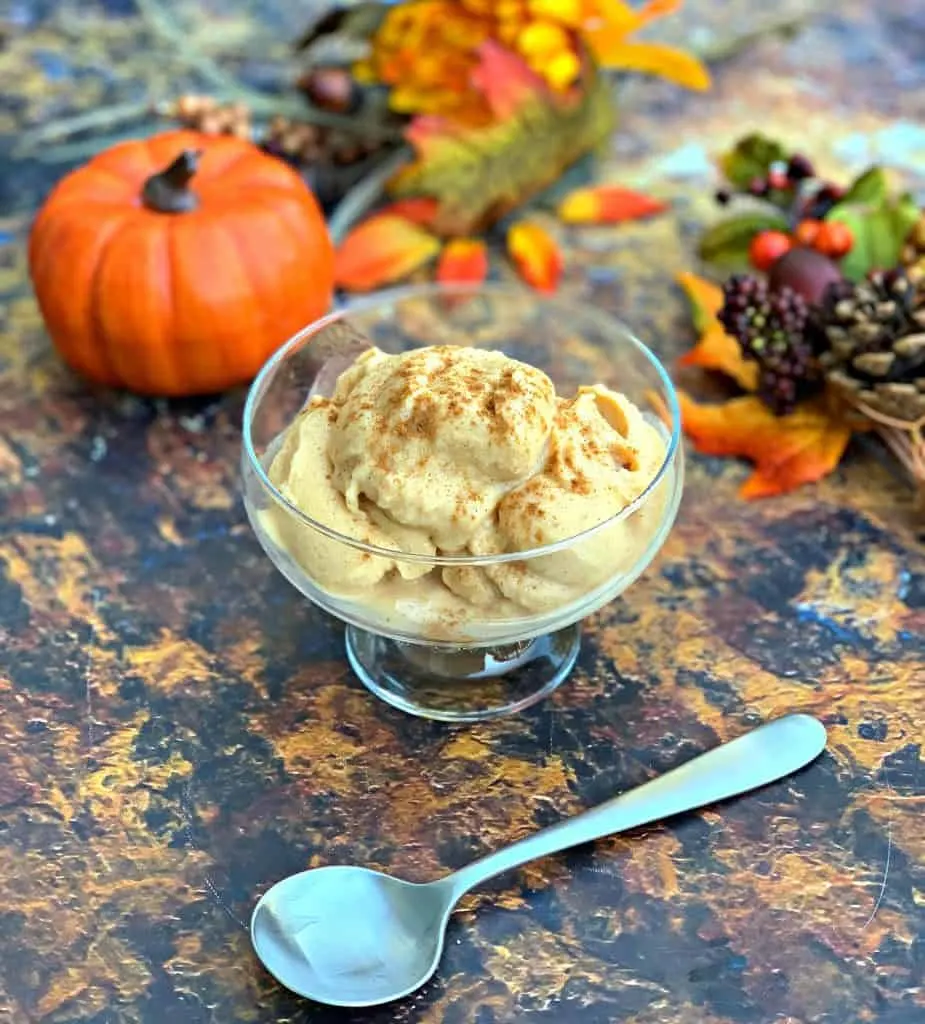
(349, 936)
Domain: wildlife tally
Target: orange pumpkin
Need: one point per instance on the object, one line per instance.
(176, 265)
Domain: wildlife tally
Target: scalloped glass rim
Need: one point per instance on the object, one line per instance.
(393, 296)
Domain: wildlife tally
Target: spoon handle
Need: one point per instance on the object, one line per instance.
(764, 755)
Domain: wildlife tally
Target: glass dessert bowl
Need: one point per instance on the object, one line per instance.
(461, 475)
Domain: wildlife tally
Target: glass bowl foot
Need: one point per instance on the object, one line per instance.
(462, 684)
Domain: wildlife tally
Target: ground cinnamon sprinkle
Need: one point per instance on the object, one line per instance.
(581, 484)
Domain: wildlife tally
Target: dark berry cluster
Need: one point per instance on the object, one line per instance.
(770, 326)
(780, 178)
(817, 205)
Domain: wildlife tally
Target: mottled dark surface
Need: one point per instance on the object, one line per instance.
(178, 729)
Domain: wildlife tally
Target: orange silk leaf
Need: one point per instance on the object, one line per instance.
(535, 254)
(787, 451)
(715, 350)
(607, 204)
(463, 261)
(381, 250)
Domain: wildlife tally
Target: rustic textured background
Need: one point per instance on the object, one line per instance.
(178, 729)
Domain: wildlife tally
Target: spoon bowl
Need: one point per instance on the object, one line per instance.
(349, 936)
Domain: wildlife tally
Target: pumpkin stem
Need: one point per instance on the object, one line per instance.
(168, 190)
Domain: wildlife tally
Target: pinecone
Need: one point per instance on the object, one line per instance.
(296, 141)
(871, 340)
(205, 114)
(769, 326)
(913, 254)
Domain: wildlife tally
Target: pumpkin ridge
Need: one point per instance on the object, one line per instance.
(227, 358)
(286, 223)
(95, 326)
(207, 174)
(293, 235)
(234, 194)
(171, 242)
(272, 176)
(241, 251)
(44, 246)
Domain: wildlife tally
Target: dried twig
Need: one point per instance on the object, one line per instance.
(163, 25)
(225, 87)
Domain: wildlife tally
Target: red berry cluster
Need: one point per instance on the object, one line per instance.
(829, 237)
(783, 179)
(787, 185)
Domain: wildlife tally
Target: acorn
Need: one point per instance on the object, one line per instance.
(799, 168)
(331, 88)
(806, 271)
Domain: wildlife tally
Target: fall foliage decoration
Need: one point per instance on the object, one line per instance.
(799, 447)
(607, 204)
(381, 250)
(428, 51)
(486, 103)
(501, 99)
(176, 265)
(463, 261)
(535, 255)
(861, 225)
(829, 342)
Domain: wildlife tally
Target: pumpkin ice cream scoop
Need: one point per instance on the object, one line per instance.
(445, 451)
(436, 437)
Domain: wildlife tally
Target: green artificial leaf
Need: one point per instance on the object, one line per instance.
(879, 232)
(905, 213)
(751, 157)
(726, 243)
(869, 187)
(478, 175)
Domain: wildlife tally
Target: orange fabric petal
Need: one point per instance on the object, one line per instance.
(706, 298)
(536, 255)
(381, 250)
(612, 51)
(715, 350)
(504, 79)
(787, 451)
(420, 210)
(607, 204)
(617, 15)
(463, 261)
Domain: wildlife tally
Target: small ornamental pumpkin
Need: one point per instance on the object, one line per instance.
(176, 265)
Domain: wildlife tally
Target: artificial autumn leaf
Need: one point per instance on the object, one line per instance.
(726, 243)
(419, 210)
(505, 80)
(878, 229)
(536, 255)
(715, 349)
(869, 187)
(607, 37)
(667, 62)
(381, 250)
(751, 157)
(607, 204)
(463, 261)
(479, 174)
(787, 451)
